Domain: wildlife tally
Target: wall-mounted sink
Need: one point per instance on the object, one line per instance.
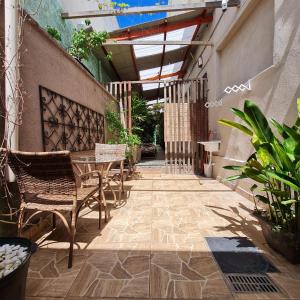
(211, 146)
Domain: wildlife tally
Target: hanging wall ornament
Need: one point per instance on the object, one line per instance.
(229, 90)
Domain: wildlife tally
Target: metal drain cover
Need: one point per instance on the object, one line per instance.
(251, 283)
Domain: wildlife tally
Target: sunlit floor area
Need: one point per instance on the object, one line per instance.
(154, 246)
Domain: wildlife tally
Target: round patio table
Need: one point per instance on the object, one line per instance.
(103, 164)
(96, 160)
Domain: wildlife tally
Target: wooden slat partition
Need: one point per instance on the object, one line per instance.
(185, 121)
(185, 124)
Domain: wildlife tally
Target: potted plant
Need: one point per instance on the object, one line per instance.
(275, 167)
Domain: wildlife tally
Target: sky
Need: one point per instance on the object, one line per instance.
(125, 21)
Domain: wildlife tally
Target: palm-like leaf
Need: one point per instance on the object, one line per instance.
(259, 123)
(284, 179)
(232, 124)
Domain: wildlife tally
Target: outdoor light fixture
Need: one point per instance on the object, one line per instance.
(200, 62)
(224, 5)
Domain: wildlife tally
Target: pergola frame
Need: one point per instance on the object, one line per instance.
(163, 28)
(198, 14)
(127, 37)
(148, 9)
(133, 42)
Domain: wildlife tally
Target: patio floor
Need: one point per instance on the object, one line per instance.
(154, 246)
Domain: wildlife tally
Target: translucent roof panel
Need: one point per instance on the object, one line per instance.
(145, 74)
(171, 68)
(184, 34)
(145, 50)
(150, 86)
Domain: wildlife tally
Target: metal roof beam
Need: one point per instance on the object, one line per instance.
(148, 9)
(158, 77)
(129, 35)
(189, 49)
(153, 81)
(133, 42)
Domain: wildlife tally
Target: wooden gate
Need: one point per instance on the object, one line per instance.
(185, 123)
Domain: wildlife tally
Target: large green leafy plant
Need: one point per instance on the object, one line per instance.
(119, 134)
(274, 166)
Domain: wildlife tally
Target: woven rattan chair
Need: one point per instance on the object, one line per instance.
(47, 184)
(116, 175)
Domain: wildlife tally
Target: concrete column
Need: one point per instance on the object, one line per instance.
(11, 76)
(12, 71)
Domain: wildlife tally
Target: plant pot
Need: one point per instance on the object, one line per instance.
(285, 243)
(12, 286)
(136, 154)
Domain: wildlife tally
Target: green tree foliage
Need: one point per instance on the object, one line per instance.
(85, 41)
(146, 121)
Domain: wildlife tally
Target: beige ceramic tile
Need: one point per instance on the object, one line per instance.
(114, 274)
(154, 245)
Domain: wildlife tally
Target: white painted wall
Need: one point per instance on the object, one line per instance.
(258, 41)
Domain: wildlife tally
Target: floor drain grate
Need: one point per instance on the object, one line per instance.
(251, 283)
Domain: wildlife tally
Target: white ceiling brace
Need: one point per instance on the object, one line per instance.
(134, 42)
(151, 9)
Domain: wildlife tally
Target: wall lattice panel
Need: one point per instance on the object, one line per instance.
(67, 125)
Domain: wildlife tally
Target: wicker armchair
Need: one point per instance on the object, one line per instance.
(47, 184)
(116, 175)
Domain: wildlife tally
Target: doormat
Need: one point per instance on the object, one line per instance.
(238, 255)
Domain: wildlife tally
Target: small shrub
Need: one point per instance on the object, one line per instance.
(54, 33)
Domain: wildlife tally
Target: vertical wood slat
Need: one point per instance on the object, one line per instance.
(125, 104)
(178, 137)
(111, 88)
(180, 127)
(165, 121)
(171, 129)
(194, 131)
(129, 108)
(174, 117)
(187, 127)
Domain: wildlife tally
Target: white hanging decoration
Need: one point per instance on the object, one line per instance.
(238, 88)
(229, 90)
(217, 103)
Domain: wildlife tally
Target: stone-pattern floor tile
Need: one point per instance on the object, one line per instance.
(114, 274)
(153, 246)
(48, 274)
(185, 275)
